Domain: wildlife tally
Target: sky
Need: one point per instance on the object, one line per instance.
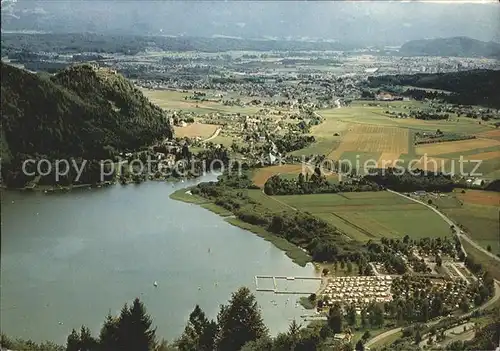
(367, 21)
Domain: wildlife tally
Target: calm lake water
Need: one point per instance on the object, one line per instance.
(69, 258)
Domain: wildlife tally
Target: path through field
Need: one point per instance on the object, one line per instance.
(213, 136)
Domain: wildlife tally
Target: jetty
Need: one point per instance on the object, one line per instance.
(275, 289)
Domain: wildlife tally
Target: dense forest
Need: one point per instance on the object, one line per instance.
(81, 112)
(474, 87)
(411, 181)
(315, 184)
(455, 47)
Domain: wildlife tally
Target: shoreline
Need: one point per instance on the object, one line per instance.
(67, 188)
(295, 253)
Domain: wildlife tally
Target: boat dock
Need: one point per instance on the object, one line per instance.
(282, 277)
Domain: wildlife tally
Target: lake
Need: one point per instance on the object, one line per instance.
(69, 258)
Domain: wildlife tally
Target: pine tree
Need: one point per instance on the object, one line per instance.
(108, 337)
(239, 322)
(134, 328)
(351, 315)
(418, 337)
(73, 341)
(335, 318)
(360, 346)
(364, 322)
(87, 342)
(199, 332)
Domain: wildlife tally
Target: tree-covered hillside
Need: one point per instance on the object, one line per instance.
(80, 112)
(474, 87)
(13, 43)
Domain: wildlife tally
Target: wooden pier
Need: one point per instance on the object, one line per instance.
(282, 277)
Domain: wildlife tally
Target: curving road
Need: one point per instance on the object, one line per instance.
(461, 234)
(494, 298)
(213, 136)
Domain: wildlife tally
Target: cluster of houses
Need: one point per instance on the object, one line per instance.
(360, 290)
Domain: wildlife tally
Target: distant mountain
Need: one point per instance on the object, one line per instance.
(16, 45)
(457, 46)
(79, 112)
(349, 22)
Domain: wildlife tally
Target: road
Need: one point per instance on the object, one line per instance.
(452, 332)
(388, 333)
(461, 234)
(382, 336)
(213, 136)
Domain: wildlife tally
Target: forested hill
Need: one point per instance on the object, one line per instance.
(457, 47)
(80, 112)
(474, 87)
(75, 43)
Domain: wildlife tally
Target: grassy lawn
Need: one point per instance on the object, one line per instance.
(490, 264)
(185, 196)
(267, 201)
(339, 272)
(481, 223)
(331, 135)
(360, 112)
(175, 100)
(225, 140)
(386, 341)
(477, 211)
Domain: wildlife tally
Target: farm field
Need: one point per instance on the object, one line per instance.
(477, 211)
(261, 175)
(328, 135)
(361, 112)
(196, 130)
(368, 138)
(436, 149)
(361, 132)
(174, 100)
(368, 133)
(370, 215)
(492, 134)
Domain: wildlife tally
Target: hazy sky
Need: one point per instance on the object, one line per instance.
(375, 21)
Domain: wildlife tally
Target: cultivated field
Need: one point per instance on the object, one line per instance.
(369, 138)
(386, 142)
(436, 149)
(261, 175)
(361, 112)
(477, 211)
(492, 155)
(196, 130)
(479, 197)
(175, 100)
(431, 163)
(371, 215)
(359, 143)
(492, 134)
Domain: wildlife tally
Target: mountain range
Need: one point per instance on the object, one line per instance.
(366, 22)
